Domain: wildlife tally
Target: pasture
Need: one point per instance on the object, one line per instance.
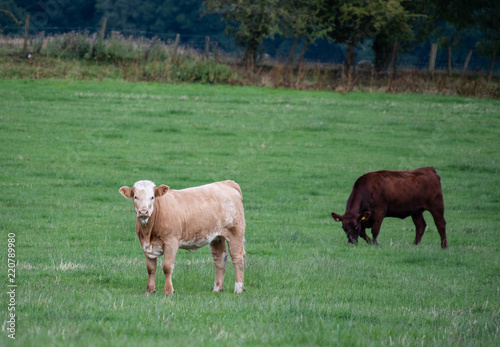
(67, 147)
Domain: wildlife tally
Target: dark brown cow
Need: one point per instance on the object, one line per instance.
(400, 194)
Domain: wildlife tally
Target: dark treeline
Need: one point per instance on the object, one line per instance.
(390, 28)
(164, 16)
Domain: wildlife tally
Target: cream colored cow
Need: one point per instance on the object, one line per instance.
(191, 218)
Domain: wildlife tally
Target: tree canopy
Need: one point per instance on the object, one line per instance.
(390, 26)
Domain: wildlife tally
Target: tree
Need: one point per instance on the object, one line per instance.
(159, 16)
(249, 22)
(65, 14)
(10, 14)
(185, 17)
(354, 21)
(406, 23)
(129, 14)
(300, 20)
(487, 17)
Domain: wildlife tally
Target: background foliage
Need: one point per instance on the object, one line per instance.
(386, 28)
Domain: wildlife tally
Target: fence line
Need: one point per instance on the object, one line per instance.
(278, 49)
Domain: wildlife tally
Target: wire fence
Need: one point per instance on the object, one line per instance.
(278, 49)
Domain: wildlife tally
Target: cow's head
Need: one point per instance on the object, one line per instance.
(351, 223)
(144, 194)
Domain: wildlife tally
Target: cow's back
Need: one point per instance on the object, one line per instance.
(194, 211)
(399, 192)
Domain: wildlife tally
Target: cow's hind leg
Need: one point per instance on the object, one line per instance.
(219, 253)
(237, 252)
(440, 222)
(420, 225)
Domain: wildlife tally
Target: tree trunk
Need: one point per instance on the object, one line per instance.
(395, 53)
(292, 51)
(384, 53)
(250, 57)
(302, 53)
(432, 57)
(492, 65)
(467, 60)
(449, 60)
(350, 57)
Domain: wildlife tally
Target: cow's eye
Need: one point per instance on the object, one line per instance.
(135, 197)
(152, 198)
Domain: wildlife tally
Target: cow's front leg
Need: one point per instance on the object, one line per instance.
(151, 266)
(420, 225)
(170, 251)
(363, 235)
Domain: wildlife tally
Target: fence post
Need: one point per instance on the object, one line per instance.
(176, 44)
(92, 45)
(207, 46)
(40, 42)
(103, 29)
(467, 60)
(26, 31)
(153, 42)
(432, 57)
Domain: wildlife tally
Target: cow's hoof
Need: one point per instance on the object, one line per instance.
(169, 291)
(149, 291)
(217, 289)
(238, 288)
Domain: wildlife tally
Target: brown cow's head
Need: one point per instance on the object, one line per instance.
(351, 223)
(144, 194)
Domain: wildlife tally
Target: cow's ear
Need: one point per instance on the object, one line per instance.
(337, 217)
(161, 190)
(127, 192)
(365, 215)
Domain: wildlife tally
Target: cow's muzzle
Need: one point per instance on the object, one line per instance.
(352, 240)
(142, 213)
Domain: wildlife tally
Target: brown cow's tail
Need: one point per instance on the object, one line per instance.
(234, 185)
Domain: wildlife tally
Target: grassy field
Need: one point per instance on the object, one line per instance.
(66, 148)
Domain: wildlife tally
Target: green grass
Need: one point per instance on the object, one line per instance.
(66, 148)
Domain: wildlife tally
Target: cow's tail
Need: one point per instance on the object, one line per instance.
(234, 185)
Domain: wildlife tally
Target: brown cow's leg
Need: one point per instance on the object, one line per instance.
(219, 253)
(169, 250)
(440, 225)
(363, 235)
(420, 225)
(151, 266)
(376, 230)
